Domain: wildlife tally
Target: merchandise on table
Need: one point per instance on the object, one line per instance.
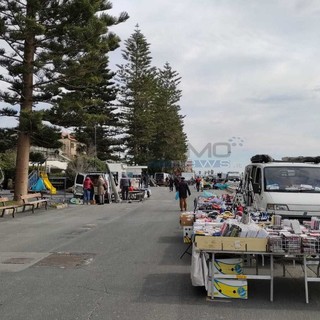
(208, 202)
(186, 218)
(224, 217)
(225, 228)
(310, 244)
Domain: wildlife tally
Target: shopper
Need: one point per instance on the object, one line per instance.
(198, 180)
(184, 191)
(176, 182)
(102, 187)
(201, 184)
(171, 182)
(124, 186)
(87, 190)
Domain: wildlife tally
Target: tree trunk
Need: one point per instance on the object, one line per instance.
(23, 147)
(22, 166)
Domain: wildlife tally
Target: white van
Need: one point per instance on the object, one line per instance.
(233, 176)
(79, 179)
(161, 178)
(288, 188)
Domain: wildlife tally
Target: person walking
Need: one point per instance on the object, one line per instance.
(101, 186)
(176, 182)
(184, 191)
(171, 182)
(87, 189)
(201, 184)
(124, 186)
(198, 180)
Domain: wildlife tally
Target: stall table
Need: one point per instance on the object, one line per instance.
(136, 195)
(251, 247)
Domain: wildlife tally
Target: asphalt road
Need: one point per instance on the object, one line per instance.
(122, 261)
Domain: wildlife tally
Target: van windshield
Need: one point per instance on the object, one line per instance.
(292, 179)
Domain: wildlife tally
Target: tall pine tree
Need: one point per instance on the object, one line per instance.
(87, 105)
(51, 48)
(151, 113)
(169, 144)
(137, 86)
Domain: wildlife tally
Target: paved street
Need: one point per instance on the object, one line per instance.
(122, 261)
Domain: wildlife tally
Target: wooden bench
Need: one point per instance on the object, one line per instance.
(33, 200)
(4, 206)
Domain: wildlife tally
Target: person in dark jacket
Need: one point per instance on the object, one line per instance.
(171, 183)
(176, 182)
(184, 191)
(124, 186)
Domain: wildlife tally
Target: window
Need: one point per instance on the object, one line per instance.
(290, 179)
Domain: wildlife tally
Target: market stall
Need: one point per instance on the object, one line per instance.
(136, 195)
(231, 236)
(236, 286)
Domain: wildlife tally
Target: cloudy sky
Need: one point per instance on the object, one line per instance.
(250, 72)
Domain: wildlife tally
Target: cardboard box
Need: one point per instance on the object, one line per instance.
(186, 219)
(231, 244)
(232, 289)
(228, 266)
(187, 233)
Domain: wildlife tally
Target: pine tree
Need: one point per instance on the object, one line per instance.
(169, 144)
(52, 46)
(88, 108)
(137, 86)
(8, 139)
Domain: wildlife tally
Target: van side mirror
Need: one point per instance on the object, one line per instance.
(256, 187)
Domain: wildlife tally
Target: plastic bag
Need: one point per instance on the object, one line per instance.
(197, 276)
(205, 270)
(177, 195)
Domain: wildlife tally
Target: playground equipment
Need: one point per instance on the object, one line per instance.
(39, 181)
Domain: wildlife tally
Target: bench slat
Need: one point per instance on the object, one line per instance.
(4, 206)
(33, 200)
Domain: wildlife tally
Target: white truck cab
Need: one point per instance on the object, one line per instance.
(289, 187)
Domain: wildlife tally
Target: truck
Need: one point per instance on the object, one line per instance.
(233, 176)
(289, 187)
